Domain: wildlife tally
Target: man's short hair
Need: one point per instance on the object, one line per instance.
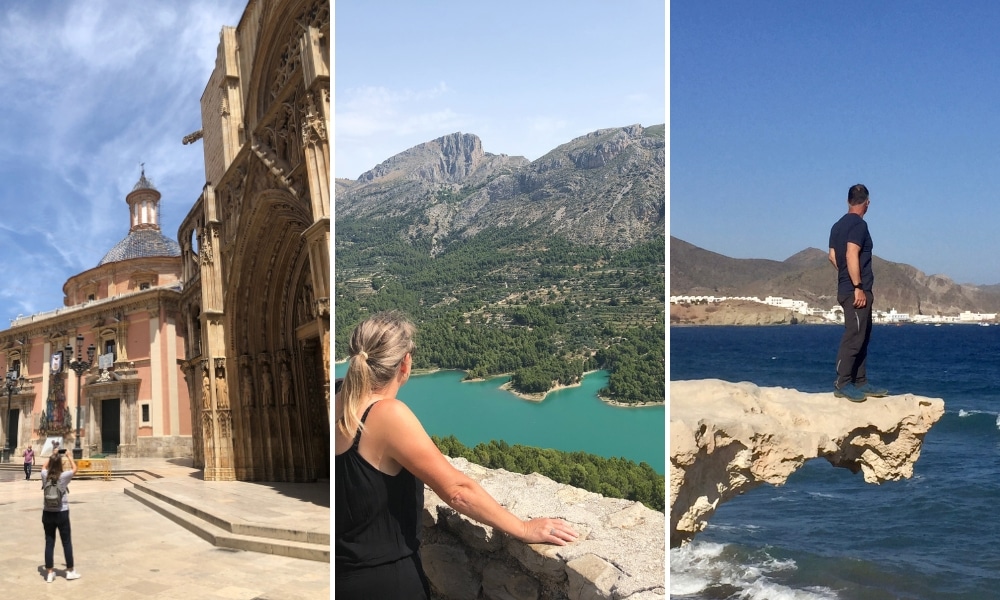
(858, 194)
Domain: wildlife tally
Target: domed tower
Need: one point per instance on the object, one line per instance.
(144, 238)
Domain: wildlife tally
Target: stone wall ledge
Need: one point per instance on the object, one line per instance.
(620, 554)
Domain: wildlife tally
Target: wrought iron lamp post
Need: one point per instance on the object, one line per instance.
(12, 384)
(79, 367)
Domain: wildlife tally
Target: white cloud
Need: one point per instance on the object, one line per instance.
(91, 90)
(377, 122)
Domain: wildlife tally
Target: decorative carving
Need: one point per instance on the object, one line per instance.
(275, 165)
(288, 64)
(304, 308)
(221, 386)
(316, 15)
(266, 381)
(323, 307)
(205, 246)
(246, 385)
(287, 398)
(225, 425)
(206, 393)
(313, 125)
(192, 137)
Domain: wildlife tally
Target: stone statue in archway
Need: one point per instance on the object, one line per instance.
(286, 384)
(267, 383)
(206, 394)
(246, 386)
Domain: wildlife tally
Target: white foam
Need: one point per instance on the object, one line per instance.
(699, 565)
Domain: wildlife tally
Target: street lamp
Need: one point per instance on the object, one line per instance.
(12, 384)
(79, 367)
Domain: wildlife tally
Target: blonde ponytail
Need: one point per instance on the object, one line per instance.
(377, 349)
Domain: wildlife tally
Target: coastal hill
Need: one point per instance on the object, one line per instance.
(809, 276)
(727, 438)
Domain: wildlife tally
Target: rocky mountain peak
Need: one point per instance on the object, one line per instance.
(603, 188)
(448, 159)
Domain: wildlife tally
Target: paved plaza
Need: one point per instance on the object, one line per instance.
(125, 550)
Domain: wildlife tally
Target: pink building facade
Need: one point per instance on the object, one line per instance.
(132, 400)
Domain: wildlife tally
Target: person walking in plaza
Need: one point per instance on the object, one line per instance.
(55, 514)
(851, 253)
(383, 458)
(29, 459)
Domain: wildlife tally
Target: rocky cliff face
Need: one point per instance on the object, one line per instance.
(737, 312)
(727, 438)
(605, 188)
(455, 158)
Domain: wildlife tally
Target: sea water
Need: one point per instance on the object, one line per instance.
(570, 419)
(826, 533)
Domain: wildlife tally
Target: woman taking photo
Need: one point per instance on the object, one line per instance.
(55, 515)
(383, 459)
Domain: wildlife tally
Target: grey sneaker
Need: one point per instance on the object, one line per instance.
(873, 392)
(851, 392)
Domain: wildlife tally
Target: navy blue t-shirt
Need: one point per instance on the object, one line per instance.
(852, 228)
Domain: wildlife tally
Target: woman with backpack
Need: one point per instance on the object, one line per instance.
(55, 512)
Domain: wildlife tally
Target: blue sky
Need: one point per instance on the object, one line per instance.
(524, 76)
(90, 90)
(778, 107)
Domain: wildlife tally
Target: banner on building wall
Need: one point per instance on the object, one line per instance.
(106, 361)
(56, 362)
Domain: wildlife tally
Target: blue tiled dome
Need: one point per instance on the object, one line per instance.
(142, 243)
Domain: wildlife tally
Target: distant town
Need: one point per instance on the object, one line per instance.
(836, 314)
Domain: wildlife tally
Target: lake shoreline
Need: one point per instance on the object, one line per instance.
(531, 397)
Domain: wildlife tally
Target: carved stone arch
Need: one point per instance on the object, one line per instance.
(266, 250)
(278, 61)
(270, 254)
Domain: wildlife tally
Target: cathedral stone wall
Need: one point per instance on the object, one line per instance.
(620, 553)
(164, 447)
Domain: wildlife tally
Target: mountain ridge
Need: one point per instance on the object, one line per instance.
(808, 276)
(604, 188)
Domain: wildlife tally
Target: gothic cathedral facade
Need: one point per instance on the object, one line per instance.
(255, 251)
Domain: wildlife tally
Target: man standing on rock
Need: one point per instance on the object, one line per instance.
(851, 253)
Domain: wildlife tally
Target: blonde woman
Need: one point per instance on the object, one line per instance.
(383, 458)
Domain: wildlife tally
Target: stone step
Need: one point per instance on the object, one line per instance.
(189, 505)
(187, 517)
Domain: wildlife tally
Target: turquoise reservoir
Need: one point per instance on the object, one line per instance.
(571, 419)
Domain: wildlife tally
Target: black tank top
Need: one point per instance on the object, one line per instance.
(377, 517)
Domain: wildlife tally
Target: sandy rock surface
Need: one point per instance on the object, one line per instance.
(727, 438)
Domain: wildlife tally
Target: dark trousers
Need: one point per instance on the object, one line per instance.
(400, 580)
(52, 521)
(853, 353)
(27, 470)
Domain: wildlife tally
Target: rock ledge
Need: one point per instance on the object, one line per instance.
(727, 438)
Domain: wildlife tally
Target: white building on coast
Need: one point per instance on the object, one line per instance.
(836, 313)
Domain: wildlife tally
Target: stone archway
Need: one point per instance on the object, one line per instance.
(270, 322)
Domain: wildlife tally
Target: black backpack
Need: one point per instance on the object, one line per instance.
(53, 495)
